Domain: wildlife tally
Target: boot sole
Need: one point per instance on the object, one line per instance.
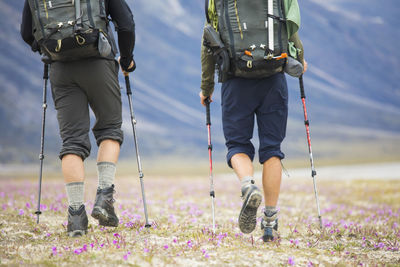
(248, 214)
(103, 217)
(77, 233)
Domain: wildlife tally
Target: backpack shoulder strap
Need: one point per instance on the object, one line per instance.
(211, 13)
(207, 3)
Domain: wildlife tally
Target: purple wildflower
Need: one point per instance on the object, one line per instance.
(21, 212)
(54, 249)
(291, 261)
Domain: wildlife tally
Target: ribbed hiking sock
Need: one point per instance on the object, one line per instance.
(270, 211)
(106, 173)
(246, 181)
(75, 192)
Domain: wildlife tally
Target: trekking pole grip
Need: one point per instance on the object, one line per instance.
(46, 71)
(128, 84)
(302, 94)
(207, 102)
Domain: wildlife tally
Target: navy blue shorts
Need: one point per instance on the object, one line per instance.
(267, 100)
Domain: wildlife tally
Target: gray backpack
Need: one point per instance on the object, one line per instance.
(254, 34)
(68, 30)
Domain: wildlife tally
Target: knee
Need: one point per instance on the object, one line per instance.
(76, 151)
(109, 135)
(271, 157)
(243, 152)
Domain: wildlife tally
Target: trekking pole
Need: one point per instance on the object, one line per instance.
(307, 124)
(212, 192)
(41, 155)
(139, 164)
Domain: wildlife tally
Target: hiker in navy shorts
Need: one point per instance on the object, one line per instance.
(243, 100)
(253, 45)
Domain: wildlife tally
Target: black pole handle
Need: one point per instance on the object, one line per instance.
(128, 85)
(302, 94)
(46, 71)
(207, 102)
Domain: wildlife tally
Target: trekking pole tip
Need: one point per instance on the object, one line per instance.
(147, 225)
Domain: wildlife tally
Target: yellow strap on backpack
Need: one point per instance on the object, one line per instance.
(212, 14)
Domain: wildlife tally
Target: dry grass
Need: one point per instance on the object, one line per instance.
(361, 225)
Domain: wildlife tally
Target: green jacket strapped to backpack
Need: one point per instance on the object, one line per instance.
(294, 46)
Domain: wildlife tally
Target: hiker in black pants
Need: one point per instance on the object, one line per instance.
(82, 83)
(260, 42)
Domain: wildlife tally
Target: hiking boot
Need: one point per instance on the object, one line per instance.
(251, 196)
(269, 223)
(77, 222)
(103, 209)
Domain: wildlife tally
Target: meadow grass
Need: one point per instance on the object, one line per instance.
(360, 224)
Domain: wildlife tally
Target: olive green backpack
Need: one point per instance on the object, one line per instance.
(254, 34)
(68, 30)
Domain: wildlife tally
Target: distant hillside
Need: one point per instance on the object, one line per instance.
(353, 96)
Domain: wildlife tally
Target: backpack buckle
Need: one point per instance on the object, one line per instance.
(269, 56)
(281, 56)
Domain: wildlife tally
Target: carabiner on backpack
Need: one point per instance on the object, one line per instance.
(79, 39)
(58, 47)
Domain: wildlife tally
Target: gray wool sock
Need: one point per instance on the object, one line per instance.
(75, 192)
(246, 181)
(106, 173)
(270, 211)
